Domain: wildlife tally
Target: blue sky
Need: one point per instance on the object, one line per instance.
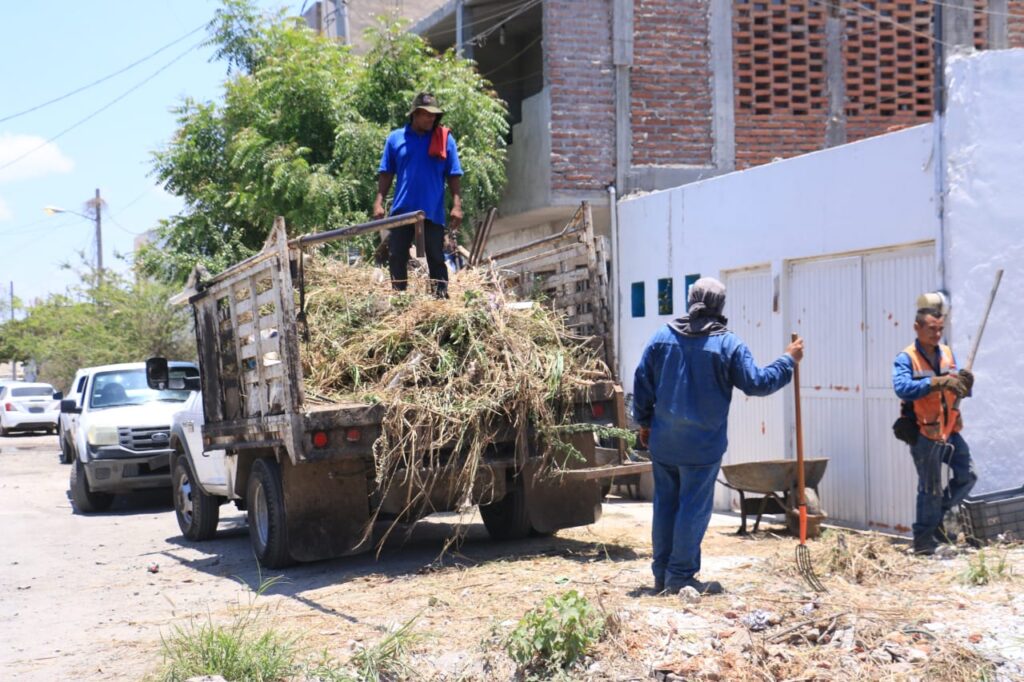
(49, 49)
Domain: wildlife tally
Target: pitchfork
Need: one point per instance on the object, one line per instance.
(803, 555)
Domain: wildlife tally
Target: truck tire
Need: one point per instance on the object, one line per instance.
(507, 518)
(197, 512)
(66, 452)
(267, 526)
(83, 500)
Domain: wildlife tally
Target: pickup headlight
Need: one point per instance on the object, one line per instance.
(102, 435)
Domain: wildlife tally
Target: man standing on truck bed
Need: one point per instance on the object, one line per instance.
(681, 395)
(422, 155)
(926, 379)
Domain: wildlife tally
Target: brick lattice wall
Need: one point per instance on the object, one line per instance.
(1015, 23)
(779, 74)
(670, 83)
(579, 72)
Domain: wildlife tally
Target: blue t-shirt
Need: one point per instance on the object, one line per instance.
(419, 177)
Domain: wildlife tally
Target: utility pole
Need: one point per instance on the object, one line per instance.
(14, 363)
(97, 207)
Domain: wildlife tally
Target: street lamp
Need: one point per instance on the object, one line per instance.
(96, 204)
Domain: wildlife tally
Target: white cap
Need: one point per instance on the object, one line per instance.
(933, 299)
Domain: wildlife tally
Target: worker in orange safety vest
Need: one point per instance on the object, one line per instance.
(926, 379)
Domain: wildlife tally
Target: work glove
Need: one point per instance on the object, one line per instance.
(949, 382)
(967, 379)
(644, 436)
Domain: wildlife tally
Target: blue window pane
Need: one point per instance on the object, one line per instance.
(690, 280)
(638, 299)
(665, 296)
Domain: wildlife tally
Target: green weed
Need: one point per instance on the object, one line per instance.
(556, 634)
(982, 569)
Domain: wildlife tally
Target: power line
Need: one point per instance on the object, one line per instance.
(104, 107)
(515, 56)
(101, 80)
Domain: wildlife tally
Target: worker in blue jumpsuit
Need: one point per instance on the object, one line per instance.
(681, 394)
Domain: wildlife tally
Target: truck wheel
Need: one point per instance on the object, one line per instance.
(267, 529)
(84, 500)
(197, 512)
(507, 519)
(66, 456)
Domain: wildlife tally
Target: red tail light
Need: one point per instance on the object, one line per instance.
(10, 407)
(320, 439)
(353, 435)
(597, 409)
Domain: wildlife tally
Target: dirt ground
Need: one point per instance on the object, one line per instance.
(89, 597)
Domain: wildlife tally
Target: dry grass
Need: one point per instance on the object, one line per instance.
(456, 376)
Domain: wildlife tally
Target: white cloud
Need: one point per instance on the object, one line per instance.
(5, 211)
(46, 160)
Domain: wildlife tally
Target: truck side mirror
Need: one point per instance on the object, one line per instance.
(58, 395)
(69, 407)
(158, 375)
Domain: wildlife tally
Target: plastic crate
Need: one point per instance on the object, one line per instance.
(985, 517)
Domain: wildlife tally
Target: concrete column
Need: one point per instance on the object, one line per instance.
(622, 58)
(723, 114)
(835, 76)
(998, 31)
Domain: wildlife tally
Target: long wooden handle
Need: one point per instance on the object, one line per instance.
(984, 320)
(799, 433)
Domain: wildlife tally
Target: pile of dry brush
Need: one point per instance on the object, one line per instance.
(451, 373)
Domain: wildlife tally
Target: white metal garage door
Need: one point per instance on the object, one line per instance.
(756, 425)
(855, 314)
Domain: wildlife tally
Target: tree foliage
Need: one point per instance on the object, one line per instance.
(103, 320)
(299, 133)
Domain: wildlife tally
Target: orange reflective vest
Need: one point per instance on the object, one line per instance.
(935, 410)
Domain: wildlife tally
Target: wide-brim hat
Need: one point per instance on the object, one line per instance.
(427, 102)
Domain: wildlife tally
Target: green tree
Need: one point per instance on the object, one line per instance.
(102, 320)
(299, 133)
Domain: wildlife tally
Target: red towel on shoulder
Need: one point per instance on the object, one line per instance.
(439, 143)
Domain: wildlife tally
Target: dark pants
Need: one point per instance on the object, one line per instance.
(683, 497)
(400, 240)
(933, 501)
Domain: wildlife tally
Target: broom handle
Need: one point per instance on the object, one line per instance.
(984, 321)
(799, 434)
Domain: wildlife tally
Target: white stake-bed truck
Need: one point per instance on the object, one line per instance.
(305, 472)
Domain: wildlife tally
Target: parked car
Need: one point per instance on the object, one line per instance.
(28, 407)
(118, 432)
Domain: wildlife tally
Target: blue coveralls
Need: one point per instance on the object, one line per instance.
(682, 390)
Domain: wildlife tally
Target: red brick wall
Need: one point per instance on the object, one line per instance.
(779, 75)
(670, 83)
(580, 74)
(1015, 22)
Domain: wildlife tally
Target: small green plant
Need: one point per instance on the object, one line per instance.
(242, 650)
(386, 659)
(556, 634)
(982, 569)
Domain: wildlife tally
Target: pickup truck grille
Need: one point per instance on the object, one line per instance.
(145, 437)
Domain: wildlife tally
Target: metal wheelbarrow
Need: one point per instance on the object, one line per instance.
(775, 480)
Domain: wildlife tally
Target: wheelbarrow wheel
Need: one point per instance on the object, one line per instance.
(814, 515)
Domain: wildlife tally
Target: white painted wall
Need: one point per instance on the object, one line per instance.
(865, 195)
(985, 231)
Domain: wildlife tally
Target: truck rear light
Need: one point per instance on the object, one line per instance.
(353, 435)
(597, 409)
(320, 439)
(10, 407)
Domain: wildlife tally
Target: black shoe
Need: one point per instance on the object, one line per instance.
(924, 550)
(659, 585)
(709, 587)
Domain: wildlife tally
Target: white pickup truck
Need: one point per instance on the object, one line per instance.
(116, 432)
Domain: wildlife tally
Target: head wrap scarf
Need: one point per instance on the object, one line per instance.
(706, 302)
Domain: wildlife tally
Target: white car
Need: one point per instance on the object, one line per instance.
(119, 432)
(28, 407)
